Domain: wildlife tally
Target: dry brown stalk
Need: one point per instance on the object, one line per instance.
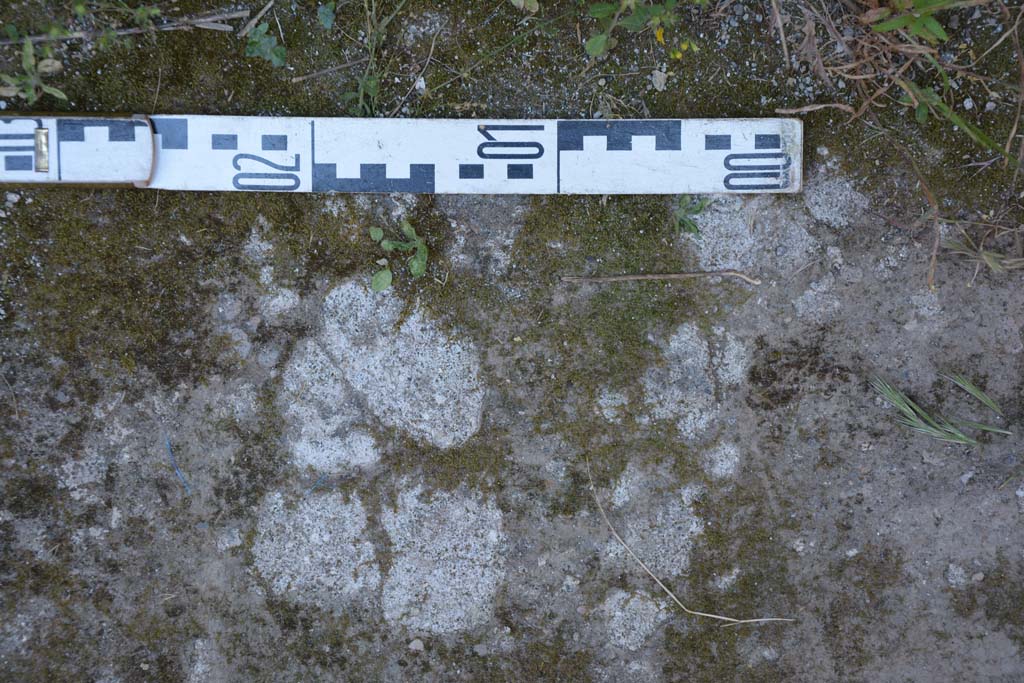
(207, 21)
(664, 276)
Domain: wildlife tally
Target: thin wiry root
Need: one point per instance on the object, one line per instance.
(729, 620)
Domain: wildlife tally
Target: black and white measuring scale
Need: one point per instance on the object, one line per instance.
(449, 156)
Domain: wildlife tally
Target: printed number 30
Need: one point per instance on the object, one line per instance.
(272, 182)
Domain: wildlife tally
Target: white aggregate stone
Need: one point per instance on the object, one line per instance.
(681, 388)
(413, 376)
(322, 415)
(663, 533)
(631, 619)
(447, 561)
(316, 553)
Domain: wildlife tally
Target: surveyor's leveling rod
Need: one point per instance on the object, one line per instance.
(291, 154)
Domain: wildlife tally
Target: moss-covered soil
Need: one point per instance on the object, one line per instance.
(136, 324)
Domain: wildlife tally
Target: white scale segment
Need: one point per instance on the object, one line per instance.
(447, 156)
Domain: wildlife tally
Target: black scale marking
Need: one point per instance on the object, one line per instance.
(11, 144)
(667, 134)
(73, 130)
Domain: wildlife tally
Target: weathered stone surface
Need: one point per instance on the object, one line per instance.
(448, 561)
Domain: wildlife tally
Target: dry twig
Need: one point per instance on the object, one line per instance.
(933, 207)
(251, 24)
(156, 95)
(422, 73)
(208, 21)
(604, 516)
(782, 31)
(665, 276)
(1006, 34)
(329, 70)
(1012, 31)
(815, 107)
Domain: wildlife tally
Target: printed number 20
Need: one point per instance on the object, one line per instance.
(272, 182)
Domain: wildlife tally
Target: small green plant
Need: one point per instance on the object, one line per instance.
(110, 16)
(927, 100)
(633, 16)
(325, 15)
(263, 44)
(686, 210)
(950, 431)
(29, 85)
(141, 16)
(413, 244)
(363, 100)
(976, 253)
(916, 17)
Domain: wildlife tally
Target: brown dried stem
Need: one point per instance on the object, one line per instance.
(604, 516)
(664, 276)
(207, 21)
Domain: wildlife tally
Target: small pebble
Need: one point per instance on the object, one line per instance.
(659, 79)
(416, 645)
(956, 576)
(977, 577)
(990, 106)
(968, 104)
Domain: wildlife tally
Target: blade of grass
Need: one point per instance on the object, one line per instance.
(972, 389)
(955, 435)
(917, 419)
(984, 427)
(930, 98)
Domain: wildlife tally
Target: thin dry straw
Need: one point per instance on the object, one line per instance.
(730, 621)
(664, 276)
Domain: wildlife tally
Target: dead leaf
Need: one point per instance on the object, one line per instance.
(808, 51)
(875, 15)
(531, 6)
(48, 67)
